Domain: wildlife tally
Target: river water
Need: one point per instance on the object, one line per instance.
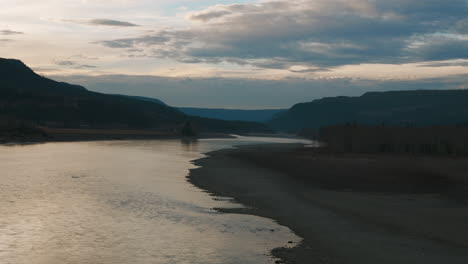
(125, 202)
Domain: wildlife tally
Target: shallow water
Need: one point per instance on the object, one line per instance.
(122, 202)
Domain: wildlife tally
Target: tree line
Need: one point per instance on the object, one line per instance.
(436, 140)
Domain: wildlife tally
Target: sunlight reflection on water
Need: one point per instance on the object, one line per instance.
(122, 202)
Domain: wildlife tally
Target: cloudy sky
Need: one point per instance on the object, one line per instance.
(241, 54)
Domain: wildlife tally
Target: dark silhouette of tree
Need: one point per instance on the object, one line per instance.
(188, 130)
(434, 140)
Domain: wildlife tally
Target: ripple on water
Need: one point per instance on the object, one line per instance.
(121, 202)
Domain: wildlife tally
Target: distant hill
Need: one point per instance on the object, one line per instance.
(421, 107)
(220, 113)
(232, 114)
(28, 96)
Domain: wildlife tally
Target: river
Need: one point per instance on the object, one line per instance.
(123, 202)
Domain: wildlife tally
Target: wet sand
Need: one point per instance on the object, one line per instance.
(348, 208)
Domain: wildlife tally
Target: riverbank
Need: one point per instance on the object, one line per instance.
(43, 135)
(348, 208)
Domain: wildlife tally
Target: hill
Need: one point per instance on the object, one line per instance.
(232, 114)
(418, 108)
(27, 96)
(221, 113)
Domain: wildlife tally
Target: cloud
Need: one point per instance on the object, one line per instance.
(209, 14)
(462, 26)
(110, 22)
(441, 47)
(65, 63)
(102, 22)
(219, 11)
(86, 66)
(73, 64)
(448, 63)
(46, 70)
(83, 57)
(150, 40)
(4, 41)
(313, 33)
(302, 69)
(10, 32)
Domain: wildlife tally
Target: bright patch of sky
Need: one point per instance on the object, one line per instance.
(175, 7)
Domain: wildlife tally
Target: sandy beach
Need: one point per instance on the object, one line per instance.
(348, 208)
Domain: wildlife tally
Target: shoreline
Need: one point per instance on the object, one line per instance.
(86, 135)
(347, 208)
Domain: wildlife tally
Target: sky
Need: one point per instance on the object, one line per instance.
(241, 54)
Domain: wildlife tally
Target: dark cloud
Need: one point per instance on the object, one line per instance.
(462, 26)
(65, 63)
(110, 22)
(442, 48)
(102, 22)
(428, 10)
(73, 64)
(310, 70)
(10, 32)
(315, 33)
(86, 66)
(134, 42)
(45, 70)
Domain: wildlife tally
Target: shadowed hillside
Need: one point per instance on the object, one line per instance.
(27, 96)
(261, 115)
(232, 114)
(420, 108)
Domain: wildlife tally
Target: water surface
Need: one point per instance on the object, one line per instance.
(122, 202)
